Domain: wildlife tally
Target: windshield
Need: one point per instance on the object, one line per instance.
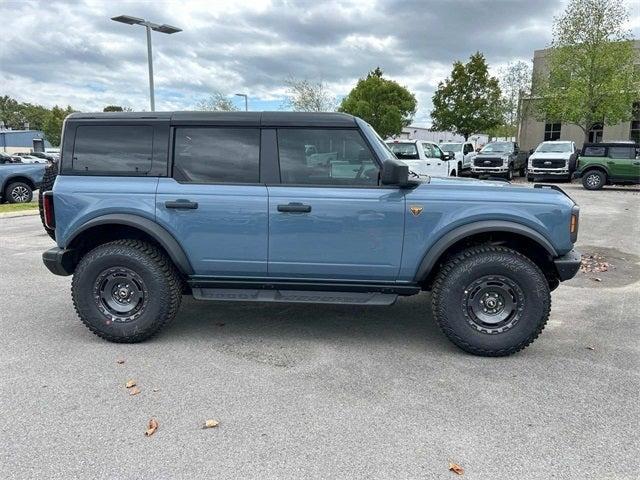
(554, 147)
(451, 147)
(404, 151)
(497, 147)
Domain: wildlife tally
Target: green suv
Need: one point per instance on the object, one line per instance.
(610, 163)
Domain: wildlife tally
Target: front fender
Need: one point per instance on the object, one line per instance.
(461, 232)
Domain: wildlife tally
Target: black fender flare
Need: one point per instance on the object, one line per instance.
(463, 231)
(151, 228)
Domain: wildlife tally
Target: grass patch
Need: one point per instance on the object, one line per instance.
(18, 207)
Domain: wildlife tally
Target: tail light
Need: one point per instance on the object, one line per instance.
(47, 208)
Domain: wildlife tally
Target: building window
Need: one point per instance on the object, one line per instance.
(634, 134)
(552, 131)
(595, 134)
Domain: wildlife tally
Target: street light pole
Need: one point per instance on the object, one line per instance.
(246, 101)
(152, 98)
(164, 28)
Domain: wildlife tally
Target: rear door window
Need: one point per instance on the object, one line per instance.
(217, 155)
(622, 152)
(110, 149)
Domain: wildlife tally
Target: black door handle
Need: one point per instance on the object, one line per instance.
(294, 207)
(184, 204)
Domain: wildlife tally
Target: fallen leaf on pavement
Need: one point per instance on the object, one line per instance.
(152, 426)
(156, 389)
(596, 279)
(134, 391)
(130, 383)
(120, 361)
(590, 348)
(455, 468)
(211, 424)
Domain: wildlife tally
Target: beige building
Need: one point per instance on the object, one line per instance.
(531, 131)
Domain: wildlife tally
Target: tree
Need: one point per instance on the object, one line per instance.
(514, 84)
(591, 77)
(469, 101)
(306, 96)
(386, 105)
(216, 102)
(53, 124)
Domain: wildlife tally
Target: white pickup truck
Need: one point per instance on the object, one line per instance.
(424, 158)
(463, 151)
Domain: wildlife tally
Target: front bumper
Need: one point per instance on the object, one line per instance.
(543, 172)
(487, 170)
(568, 265)
(60, 261)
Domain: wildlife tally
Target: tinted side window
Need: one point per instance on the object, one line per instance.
(113, 149)
(622, 152)
(217, 155)
(325, 157)
(594, 151)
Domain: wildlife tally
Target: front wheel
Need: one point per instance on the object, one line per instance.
(509, 174)
(125, 291)
(491, 301)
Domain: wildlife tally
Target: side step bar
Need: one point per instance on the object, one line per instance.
(294, 296)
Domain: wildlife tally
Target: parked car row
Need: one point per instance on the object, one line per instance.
(31, 157)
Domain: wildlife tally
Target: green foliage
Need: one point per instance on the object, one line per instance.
(469, 101)
(53, 125)
(306, 96)
(591, 77)
(216, 102)
(515, 82)
(386, 105)
(15, 115)
(112, 108)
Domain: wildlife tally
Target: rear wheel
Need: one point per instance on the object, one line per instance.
(491, 301)
(18, 192)
(125, 291)
(594, 180)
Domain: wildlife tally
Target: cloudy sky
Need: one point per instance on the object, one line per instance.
(71, 53)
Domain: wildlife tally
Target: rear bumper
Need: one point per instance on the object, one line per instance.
(59, 261)
(568, 265)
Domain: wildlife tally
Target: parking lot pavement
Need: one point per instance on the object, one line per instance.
(309, 391)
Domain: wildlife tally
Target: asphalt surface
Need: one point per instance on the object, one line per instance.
(309, 391)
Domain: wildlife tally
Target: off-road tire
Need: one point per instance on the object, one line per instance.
(594, 179)
(472, 265)
(158, 276)
(8, 193)
(50, 174)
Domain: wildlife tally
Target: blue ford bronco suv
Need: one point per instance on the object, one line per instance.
(294, 207)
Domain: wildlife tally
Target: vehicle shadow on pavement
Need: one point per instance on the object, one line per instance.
(408, 322)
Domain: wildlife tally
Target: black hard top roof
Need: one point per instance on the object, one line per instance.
(621, 143)
(264, 119)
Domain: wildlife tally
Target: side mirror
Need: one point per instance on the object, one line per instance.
(395, 173)
(449, 156)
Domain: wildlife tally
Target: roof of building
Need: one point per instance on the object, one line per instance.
(265, 119)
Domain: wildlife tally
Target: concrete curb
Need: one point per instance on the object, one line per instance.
(23, 213)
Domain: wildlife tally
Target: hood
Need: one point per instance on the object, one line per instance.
(493, 154)
(550, 155)
(488, 191)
